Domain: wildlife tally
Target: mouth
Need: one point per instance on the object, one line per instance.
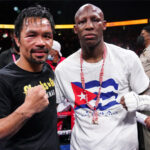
(39, 53)
(89, 36)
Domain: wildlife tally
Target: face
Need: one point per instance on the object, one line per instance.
(35, 41)
(55, 55)
(146, 35)
(89, 25)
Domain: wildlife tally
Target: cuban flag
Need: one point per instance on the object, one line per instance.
(109, 94)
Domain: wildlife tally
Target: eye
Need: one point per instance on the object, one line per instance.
(48, 36)
(81, 22)
(30, 35)
(96, 20)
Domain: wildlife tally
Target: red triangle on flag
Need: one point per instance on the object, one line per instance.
(80, 97)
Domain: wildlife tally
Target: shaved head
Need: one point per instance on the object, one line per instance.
(89, 26)
(89, 6)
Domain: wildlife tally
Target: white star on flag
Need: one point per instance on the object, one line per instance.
(82, 96)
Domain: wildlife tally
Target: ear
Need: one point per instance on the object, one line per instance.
(75, 29)
(104, 25)
(17, 41)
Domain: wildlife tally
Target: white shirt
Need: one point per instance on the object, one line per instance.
(117, 128)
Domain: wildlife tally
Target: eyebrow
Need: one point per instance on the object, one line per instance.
(34, 32)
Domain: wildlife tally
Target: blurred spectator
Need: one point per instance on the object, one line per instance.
(9, 55)
(55, 56)
(144, 40)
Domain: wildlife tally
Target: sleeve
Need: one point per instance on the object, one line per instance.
(136, 102)
(141, 118)
(5, 100)
(138, 79)
(59, 93)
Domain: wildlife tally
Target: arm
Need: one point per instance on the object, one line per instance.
(147, 119)
(36, 100)
(134, 102)
(137, 76)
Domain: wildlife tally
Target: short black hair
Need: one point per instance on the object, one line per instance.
(147, 28)
(33, 11)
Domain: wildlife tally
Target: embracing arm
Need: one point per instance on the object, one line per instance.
(36, 100)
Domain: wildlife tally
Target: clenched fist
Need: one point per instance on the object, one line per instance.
(36, 100)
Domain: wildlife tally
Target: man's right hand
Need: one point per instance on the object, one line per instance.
(36, 100)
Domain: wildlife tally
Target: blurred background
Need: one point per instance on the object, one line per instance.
(63, 12)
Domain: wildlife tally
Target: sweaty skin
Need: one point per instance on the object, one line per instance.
(89, 26)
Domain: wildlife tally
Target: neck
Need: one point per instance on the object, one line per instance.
(28, 66)
(94, 54)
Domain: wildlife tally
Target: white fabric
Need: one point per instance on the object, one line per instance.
(57, 47)
(117, 128)
(141, 118)
(136, 102)
(64, 106)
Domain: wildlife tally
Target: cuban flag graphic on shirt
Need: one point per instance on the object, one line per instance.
(110, 86)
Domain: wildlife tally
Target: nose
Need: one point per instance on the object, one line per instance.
(89, 25)
(40, 42)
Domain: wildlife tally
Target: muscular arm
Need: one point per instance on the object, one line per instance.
(12, 123)
(35, 101)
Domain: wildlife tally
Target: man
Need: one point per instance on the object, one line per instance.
(27, 95)
(145, 56)
(94, 79)
(55, 56)
(145, 59)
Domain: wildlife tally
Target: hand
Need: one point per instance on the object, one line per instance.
(36, 100)
(147, 122)
(122, 102)
(130, 101)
